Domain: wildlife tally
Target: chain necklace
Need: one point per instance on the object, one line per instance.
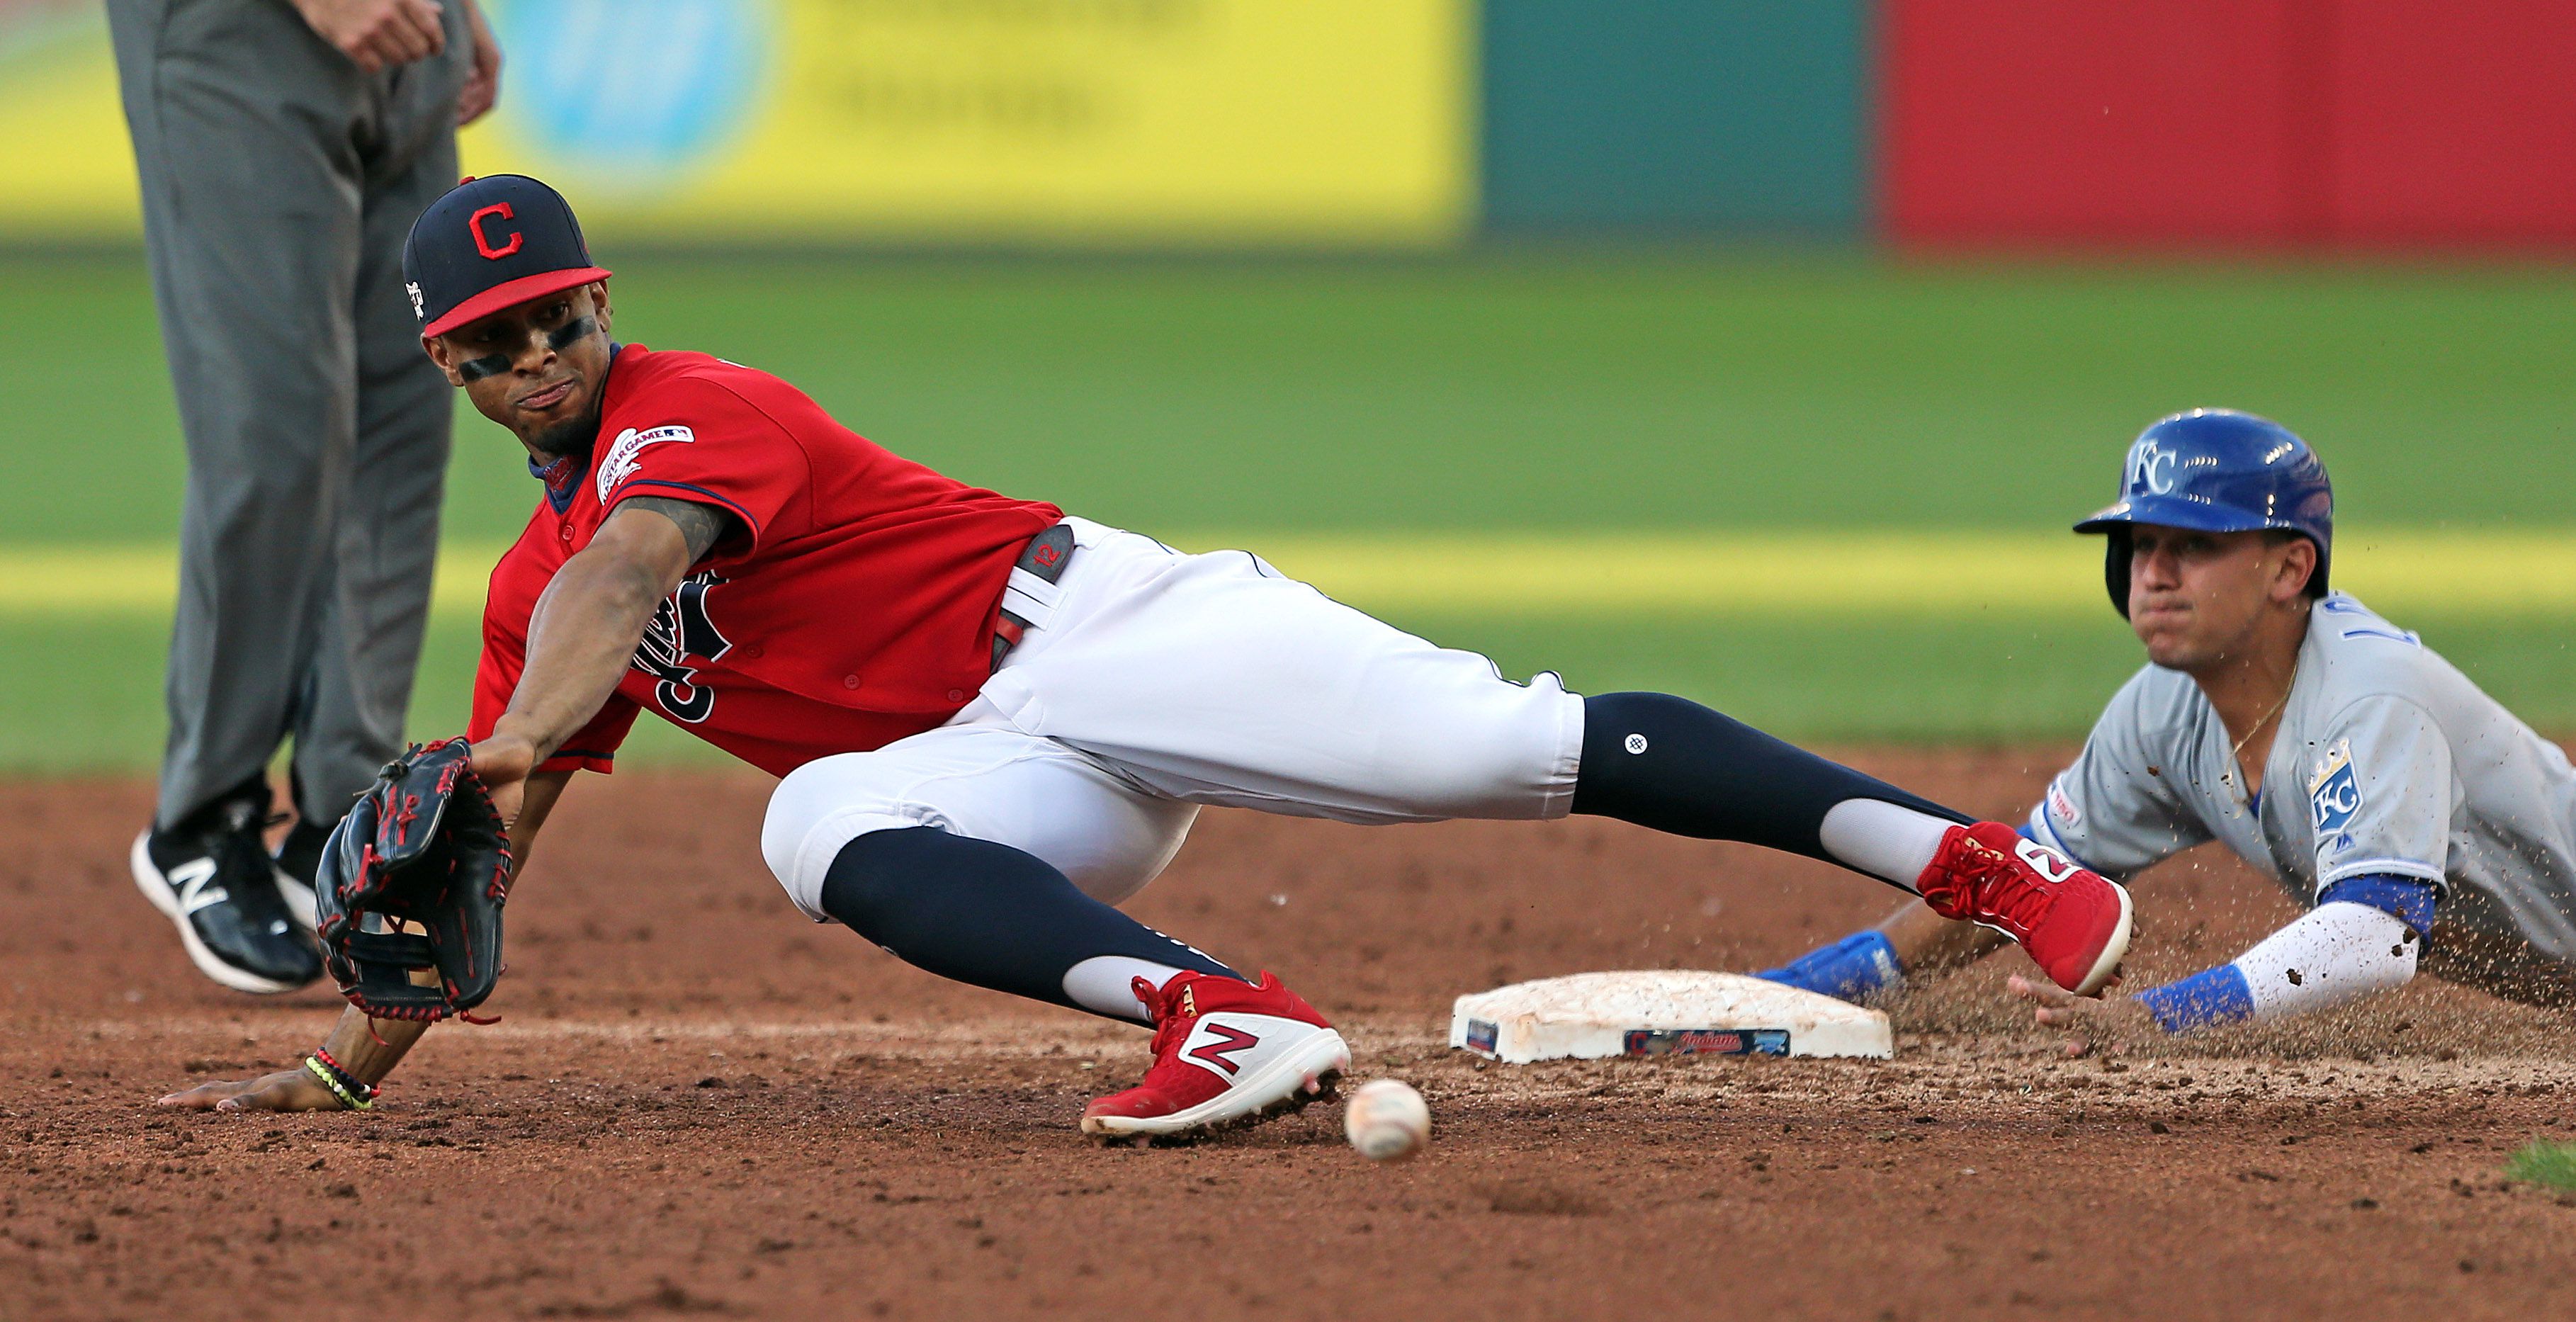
(2236, 755)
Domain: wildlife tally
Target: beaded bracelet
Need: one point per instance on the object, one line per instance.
(353, 1094)
(324, 1055)
(356, 1085)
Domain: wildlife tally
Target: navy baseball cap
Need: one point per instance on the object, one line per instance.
(492, 243)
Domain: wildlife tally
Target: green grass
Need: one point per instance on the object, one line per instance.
(1496, 392)
(2553, 1164)
(1519, 391)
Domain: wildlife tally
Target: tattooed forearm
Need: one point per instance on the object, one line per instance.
(701, 524)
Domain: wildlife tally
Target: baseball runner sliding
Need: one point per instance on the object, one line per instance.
(2425, 827)
(993, 721)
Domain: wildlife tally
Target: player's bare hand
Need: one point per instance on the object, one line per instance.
(378, 34)
(483, 82)
(286, 1090)
(502, 762)
(2091, 1023)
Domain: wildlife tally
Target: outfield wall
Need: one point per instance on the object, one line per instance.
(1421, 124)
(1676, 116)
(1150, 123)
(2284, 123)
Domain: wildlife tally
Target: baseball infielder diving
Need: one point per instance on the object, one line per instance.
(2423, 826)
(993, 721)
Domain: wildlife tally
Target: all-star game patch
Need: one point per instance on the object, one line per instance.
(1707, 1042)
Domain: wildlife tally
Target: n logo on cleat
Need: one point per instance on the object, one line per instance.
(2048, 863)
(190, 878)
(1213, 1053)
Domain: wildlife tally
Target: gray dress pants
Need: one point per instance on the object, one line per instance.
(278, 184)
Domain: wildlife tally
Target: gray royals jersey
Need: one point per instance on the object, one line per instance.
(2387, 760)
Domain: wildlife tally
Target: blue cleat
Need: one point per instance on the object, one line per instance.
(1851, 969)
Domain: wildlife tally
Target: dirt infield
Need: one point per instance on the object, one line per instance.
(699, 1104)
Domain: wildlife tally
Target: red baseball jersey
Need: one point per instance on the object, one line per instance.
(854, 605)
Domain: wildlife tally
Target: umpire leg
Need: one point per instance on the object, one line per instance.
(257, 144)
(387, 539)
(240, 118)
(271, 168)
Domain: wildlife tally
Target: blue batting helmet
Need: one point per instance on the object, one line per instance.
(2217, 470)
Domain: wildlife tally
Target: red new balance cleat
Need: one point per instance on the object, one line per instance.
(1226, 1052)
(2072, 920)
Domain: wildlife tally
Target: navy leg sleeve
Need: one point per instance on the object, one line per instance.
(985, 913)
(1674, 765)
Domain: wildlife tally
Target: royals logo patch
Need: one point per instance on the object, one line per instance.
(2334, 790)
(624, 454)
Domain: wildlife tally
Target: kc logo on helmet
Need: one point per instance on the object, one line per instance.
(483, 242)
(2151, 466)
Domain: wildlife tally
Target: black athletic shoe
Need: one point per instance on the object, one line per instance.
(214, 879)
(299, 858)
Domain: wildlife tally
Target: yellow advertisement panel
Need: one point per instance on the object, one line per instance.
(1093, 122)
(66, 166)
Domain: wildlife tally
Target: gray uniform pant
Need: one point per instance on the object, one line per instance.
(278, 184)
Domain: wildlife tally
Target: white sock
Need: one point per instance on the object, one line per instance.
(1101, 984)
(1883, 839)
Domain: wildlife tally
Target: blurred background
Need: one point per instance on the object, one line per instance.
(1759, 351)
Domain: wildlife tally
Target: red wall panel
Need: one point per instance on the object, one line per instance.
(2454, 122)
(2231, 122)
(2089, 120)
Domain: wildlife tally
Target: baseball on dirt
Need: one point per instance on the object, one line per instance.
(1387, 1120)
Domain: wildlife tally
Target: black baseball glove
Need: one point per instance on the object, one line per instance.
(424, 846)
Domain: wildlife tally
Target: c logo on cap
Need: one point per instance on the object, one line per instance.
(483, 243)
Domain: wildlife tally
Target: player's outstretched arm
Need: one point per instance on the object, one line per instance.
(368, 1050)
(585, 629)
(2363, 937)
(364, 1050)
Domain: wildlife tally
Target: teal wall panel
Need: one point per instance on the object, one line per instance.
(1676, 115)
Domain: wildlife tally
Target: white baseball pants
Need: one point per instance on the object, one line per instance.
(1154, 682)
